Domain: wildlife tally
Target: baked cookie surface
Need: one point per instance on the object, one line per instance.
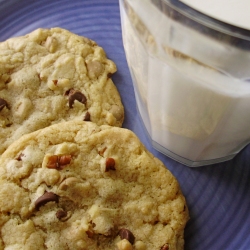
(51, 76)
(77, 185)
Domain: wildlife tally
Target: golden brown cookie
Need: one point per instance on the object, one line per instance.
(77, 185)
(51, 76)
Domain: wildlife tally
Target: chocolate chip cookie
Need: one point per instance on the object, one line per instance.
(51, 76)
(77, 185)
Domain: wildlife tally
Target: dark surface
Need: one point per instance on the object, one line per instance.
(218, 196)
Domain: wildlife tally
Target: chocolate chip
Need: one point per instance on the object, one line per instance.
(90, 233)
(60, 214)
(126, 234)
(55, 81)
(76, 95)
(165, 247)
(58, 161)
(3, 104)
(19, 157)
(109, 75)
(45, 198)
(110, 164)
(87, 117)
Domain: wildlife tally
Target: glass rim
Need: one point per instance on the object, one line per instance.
(205, 20)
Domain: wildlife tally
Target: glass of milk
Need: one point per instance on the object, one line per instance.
(191, 75)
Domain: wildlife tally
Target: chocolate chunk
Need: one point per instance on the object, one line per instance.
(87, 117)
(76, 95)
(45, 198)
(165, 247)
(110, 164)
(60, 214)
(126, 234)
(58, 161)
(3, 104)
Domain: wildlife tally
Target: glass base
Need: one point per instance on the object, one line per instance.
(188, 162)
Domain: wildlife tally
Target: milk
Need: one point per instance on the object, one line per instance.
(235, 12)
(194, 102)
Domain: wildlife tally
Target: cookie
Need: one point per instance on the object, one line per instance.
(50, 76)
(77, 185)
